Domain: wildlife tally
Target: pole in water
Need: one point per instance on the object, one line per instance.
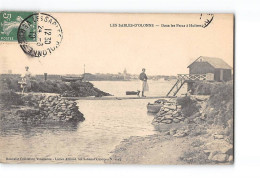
(84, 74)
(45, 76)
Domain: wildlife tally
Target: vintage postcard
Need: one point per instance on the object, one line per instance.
(116, 88)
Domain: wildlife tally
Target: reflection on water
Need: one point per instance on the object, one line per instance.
(106, 124)
(28, 129)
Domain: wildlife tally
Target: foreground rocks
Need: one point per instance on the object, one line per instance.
(184, 145)
(213, 144)
(219, 149)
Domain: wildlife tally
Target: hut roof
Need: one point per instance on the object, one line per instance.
(215, 62)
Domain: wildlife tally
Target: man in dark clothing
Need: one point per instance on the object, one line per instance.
(144, 85)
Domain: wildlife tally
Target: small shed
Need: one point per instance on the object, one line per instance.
(203, 65)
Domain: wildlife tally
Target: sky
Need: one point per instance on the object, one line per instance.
(88, 39)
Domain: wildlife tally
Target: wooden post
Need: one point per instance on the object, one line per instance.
(45, 76)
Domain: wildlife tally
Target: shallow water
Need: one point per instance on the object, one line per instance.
(106, 124)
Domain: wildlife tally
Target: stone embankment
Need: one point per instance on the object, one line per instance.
(172, 112)
(169, 114)
(48, 107)
(214, 142)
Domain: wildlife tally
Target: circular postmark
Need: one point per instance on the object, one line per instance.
(39, 34)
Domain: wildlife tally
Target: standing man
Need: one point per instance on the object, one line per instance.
(26, 78)
(144, 85)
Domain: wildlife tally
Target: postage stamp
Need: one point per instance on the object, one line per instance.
(48, 35)
(10, 22)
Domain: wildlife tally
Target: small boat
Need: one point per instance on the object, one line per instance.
(71, 78)
(156, 106)
(132, 93)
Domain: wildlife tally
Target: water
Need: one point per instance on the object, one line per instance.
(118, 88)
(106, 124)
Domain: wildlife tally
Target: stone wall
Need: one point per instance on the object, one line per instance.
(172, 112)
(49, 107)
(169, 114)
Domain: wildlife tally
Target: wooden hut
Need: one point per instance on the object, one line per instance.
(203, 65)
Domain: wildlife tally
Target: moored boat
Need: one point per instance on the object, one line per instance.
(154, 108)
(71, 78)
(132, 93)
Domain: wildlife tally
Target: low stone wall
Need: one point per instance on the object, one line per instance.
(173, 112)
(56, 108)
(169, 114)
(49, 107)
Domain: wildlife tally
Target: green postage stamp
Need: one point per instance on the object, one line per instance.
(10, 22)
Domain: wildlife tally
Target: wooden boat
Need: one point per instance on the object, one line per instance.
(71, 78)
(132, 92)
(154, 108)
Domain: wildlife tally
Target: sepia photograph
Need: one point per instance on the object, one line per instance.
(116, 88)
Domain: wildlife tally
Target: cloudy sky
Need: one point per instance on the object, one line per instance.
(88, 39)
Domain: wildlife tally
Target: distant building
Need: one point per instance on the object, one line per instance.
(203, 65)
(125, 72)
(126, 76)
